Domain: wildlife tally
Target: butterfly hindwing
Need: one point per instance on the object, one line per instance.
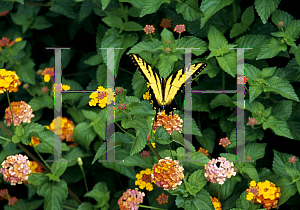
(175, 83)
(155, 86)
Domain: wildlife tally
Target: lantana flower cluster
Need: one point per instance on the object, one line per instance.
(5, 195)
(15, 169)
(102, 97)
(167, 173)
(169, 122)
(144, 179)
(265, 193)
(67, 128)
(9, 81)
(216, 174)
(22, 112)
(130, 199)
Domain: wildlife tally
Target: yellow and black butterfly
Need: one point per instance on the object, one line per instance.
(163, 92)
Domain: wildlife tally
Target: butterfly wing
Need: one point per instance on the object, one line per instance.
(174, 85)
(155, 87)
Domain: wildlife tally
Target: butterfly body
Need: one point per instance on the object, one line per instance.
(163, 91)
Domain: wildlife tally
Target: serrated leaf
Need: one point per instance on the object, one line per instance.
(243, 204)
(85, 9)
(193, 42)
(237, 29)
(255, 150)
(113, 21)
(271, 49)
(207, 139)
(201, 201)
(248, 16)
(63, 7)
(132, 26)
(55, 193)
(287, 190)
(251, 41)
(197, 180)
(228, 63)
(282, 87)
(279, 163)
(283, 109)
(280, 15)
(41, 23)
(166, 64)
(293, 30)
(26, 72)
(251, 172)
(59, 167)
(151, 6)
(279, 127)
(254, 91)
(210, 7)
(94, 60)
(84, 134)
(189, 10)
(41, 102)
(6, 6)
(265, 8)
(105, 3)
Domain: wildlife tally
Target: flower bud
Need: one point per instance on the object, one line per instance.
(168, 49)
(79, 160)
(280, 23)
(39, 72)
(25, 86)
(168, 41)
(45, 89)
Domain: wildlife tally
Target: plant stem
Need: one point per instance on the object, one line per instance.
(126, 70)
(12, 116)
(171, 151)
(124, 130)
(150, 207)
(5, 139)
(223, 80)
(83, 174)
(29, 91)
(178, 39)
(123, 10)
(69, 207)
(152, 40)
(219, 192)
(40, 156)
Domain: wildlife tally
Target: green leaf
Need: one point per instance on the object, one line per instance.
(166, 64)
(248, 16)
(100, 193)
(59, 167)
(40, 23)
(207, 139)
(22, 19)
(85, 10)
(105, 3)
(210, 7)
(279, 127)
(280, 15)
(16, 139)
(251, 172)
(189, 10)
(243, 204)
(74, 153)
(53, 177)
(221, 100)
(193, 42)
(84, 134)
(26, 72)
(144, 46)
(162, 136)
(226, 188)
(100, 124)
(139, 85)
(254, 91)
(197, 181)
(201, 201)
(267, 72)
(237, 29)
(63, 7)
(281, 86)
(279, 163)
(271, 49)
(113, 21)
(287, 190)
(141, 128)
(17, 47)
(265, 8)
(255, 150)
(228, 63)
(94, 60)
(6, 6)
(216, 41)
(282, 109)
(132, 26)
(151, 6)
(41, 102)
(137, 160)
(293, 30)
(86, 206)
(91, 115)
(255, 41)
(55, 193)
(294, 173)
